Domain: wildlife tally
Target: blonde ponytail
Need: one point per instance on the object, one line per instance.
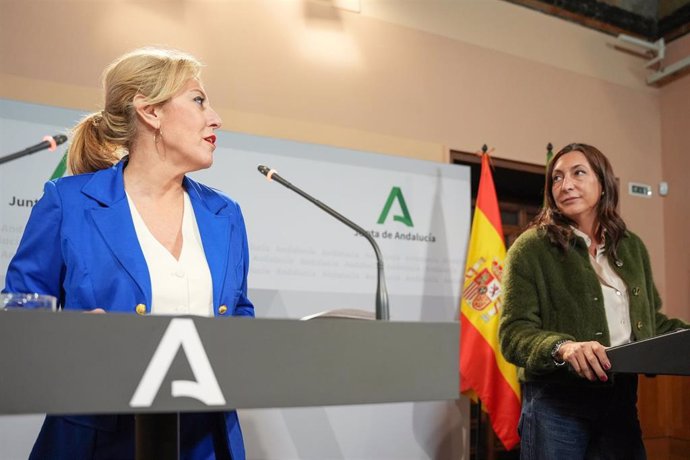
(89, 151)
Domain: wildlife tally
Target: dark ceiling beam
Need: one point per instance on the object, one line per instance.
(596, 15)
(675, 25)
(613, 20)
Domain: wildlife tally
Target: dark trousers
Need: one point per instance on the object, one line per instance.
(202, 436)
(580, 421)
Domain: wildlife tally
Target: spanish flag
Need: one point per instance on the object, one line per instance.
(484, 373)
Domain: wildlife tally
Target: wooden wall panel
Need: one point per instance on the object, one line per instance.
(664, 408)
(679, 387)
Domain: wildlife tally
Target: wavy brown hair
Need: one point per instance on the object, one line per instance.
(102, 138)
(558, 227)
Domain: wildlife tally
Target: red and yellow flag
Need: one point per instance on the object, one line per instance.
(484, 373)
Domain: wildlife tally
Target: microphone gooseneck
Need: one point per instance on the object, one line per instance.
(49, 142)
(381, 292)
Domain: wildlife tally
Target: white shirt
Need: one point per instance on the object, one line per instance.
(616, 302)
(178, 287)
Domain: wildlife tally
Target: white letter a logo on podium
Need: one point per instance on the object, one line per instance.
(180, 333)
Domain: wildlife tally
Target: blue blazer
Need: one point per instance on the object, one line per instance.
(80, 246)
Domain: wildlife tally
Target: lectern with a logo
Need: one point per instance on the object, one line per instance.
(71, 363)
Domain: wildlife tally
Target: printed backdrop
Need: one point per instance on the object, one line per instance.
(304, 261)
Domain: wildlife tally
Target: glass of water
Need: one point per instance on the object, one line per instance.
(32, 301)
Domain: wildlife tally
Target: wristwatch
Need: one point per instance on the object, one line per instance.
(554, 352)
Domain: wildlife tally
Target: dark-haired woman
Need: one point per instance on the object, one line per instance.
(575, 283)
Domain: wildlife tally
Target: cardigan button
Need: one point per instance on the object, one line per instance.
(140, 309)
(596, 298)
(639, 325)
(222, 309)
(636, 291)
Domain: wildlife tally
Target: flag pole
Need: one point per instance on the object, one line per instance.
(549, 155)
(478, 454)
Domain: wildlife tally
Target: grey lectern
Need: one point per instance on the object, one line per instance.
(667, 354)
(71, 363)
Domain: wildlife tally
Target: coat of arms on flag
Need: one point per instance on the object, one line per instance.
(484, 287)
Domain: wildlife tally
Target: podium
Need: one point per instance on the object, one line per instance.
(667, 354)
(74, 363)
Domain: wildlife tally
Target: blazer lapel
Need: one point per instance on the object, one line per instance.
(215, 230)
(113, 220)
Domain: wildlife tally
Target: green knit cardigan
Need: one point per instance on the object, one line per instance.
(551, 295)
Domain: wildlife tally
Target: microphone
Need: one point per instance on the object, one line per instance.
(49, 142)
(381, 293)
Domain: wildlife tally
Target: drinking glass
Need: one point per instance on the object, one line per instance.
(33, 301)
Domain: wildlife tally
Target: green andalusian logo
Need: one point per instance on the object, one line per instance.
(60, 169)
(405, 218)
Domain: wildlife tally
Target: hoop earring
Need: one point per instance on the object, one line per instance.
(157, 134)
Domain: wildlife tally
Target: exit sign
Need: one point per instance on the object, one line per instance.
(643, 190)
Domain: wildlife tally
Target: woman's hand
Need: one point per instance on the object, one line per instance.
(95, 310)
(588, 359)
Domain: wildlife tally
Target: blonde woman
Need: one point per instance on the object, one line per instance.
(130, 232)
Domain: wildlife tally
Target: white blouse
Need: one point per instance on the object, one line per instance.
(178, 287)
(616, 301)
